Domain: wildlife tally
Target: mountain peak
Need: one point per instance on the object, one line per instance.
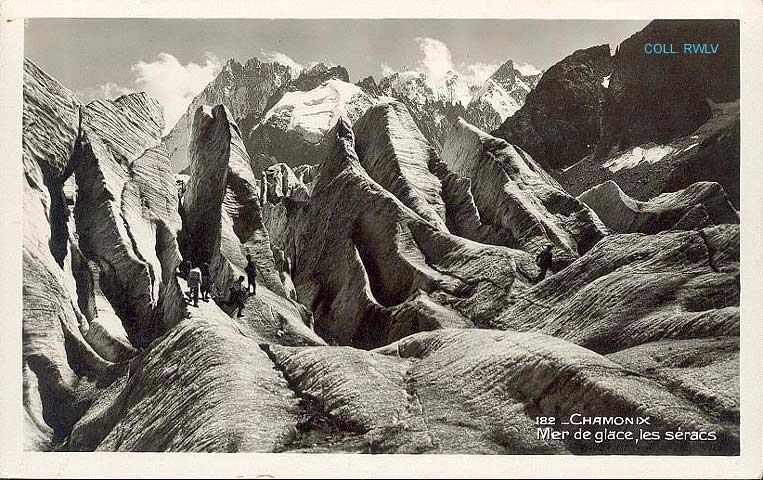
(254, 62)
(505, 70)
(318, 74)
(369, 85)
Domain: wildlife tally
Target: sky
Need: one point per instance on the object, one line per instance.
(174, 59)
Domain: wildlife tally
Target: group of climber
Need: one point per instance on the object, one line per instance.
(199, 281)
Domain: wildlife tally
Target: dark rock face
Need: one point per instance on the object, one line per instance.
(560, 121)
(709, 154)
(624, 214)
(677, 112)
(369, 85)
(318, 74)
(715, 159)
(645, 98)
(657, 98)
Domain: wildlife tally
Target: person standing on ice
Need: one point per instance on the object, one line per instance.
(237, 295)
(251, 273)
(206, 281)
(544, 260)
(194, 282)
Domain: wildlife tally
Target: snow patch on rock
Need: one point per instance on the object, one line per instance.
(313, 113)
(498, 98)
(636, 155)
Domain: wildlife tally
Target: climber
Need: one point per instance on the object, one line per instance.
(544, 261)
(206, 281)
(237, 295)
(181, 188)
(194, 280)
(251, 273)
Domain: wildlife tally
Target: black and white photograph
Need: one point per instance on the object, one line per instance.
(432, 236)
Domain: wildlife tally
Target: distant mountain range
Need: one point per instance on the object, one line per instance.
(251, 90)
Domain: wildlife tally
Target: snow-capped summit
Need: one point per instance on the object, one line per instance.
(249, 91)
(291, 132)
(435, 105)
(412, 87)
(502, 95)
(244, 89)
(506, 75)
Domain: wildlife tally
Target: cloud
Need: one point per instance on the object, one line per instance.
(328, 64)
(174, 84)
(109, 90)
(436, 63)
(269, 56)
(527, 69)
(387, 70)
(478, 73)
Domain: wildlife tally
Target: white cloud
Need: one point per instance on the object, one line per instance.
(437, 60)
(173, 84)
(109, 90)
(386, 69)
(436, 63)
(326, 63)
(112, 90)
(527, 69)
(478, 73)
(273, 56)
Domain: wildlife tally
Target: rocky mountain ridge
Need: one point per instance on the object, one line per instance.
(252, 90)
(664, 121)
(435, 110)
(249, 91)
